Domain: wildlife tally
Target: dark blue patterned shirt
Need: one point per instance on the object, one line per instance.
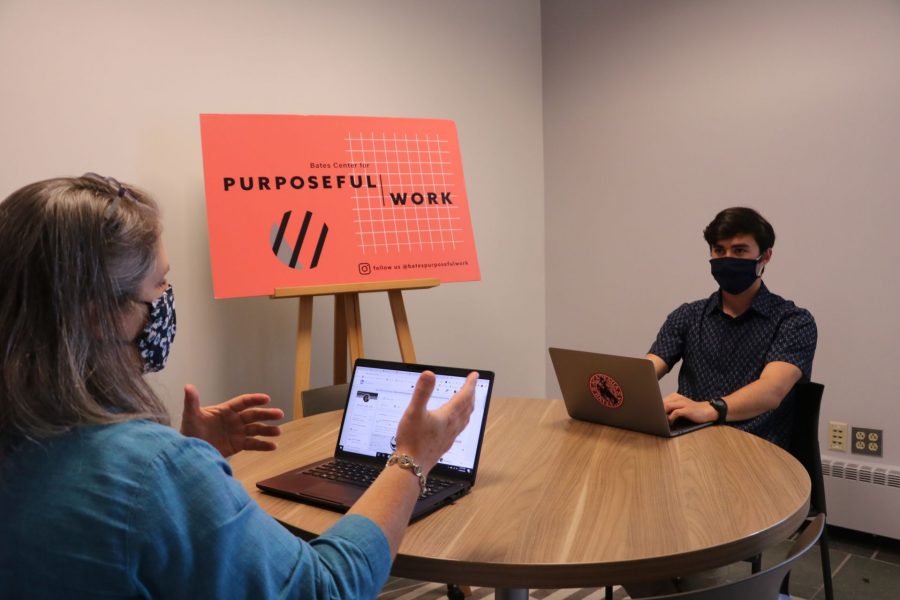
(722, 354)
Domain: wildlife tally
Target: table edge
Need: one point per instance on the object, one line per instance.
(559, 575)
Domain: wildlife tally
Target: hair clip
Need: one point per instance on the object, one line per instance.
(121, 190)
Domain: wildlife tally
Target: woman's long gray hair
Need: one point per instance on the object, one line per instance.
(73, 255)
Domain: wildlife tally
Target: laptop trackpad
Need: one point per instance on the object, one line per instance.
(334, 492)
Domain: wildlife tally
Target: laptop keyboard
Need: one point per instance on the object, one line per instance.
(363, 475)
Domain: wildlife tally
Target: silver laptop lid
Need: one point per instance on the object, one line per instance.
(619, 391)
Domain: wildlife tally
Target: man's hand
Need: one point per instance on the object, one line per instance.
(427, 435)
(682, 406)
(230, 426)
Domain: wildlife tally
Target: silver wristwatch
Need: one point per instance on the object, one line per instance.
(405, 461)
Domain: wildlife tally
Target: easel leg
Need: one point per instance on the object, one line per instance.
(401, 325)
(354, 326)
(340, 340)
(304, 353)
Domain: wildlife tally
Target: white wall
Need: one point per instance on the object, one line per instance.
(659, 114)
(116, 87)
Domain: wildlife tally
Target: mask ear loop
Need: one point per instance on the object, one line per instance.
(760, 268)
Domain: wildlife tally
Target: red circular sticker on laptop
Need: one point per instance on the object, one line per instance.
(606, 390)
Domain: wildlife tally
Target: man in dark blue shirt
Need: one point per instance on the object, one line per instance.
(744, 348)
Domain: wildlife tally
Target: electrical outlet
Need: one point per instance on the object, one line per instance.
(837, 436)
(868, 442)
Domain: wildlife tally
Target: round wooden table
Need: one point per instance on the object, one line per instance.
(561, 503)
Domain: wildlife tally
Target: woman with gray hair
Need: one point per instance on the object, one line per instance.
(99, 496)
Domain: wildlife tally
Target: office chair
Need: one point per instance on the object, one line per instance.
(764, 585)
(804, 446)
(324, 399)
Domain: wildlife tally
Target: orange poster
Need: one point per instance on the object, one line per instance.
(314, 200)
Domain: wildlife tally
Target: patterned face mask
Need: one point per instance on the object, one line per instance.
(156, 338)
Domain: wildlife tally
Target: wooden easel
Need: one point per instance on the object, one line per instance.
(347, 325)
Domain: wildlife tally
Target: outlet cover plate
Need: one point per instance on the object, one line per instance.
(866, 441)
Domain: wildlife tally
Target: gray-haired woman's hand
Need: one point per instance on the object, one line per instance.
(427, 435)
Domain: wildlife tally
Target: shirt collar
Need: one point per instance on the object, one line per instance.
(763, 303)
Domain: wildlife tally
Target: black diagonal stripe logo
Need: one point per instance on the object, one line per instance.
(290, 255)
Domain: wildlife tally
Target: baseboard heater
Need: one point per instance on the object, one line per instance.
(864, 497)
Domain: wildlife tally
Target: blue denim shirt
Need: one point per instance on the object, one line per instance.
(136, 510)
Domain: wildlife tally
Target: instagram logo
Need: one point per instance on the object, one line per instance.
(365, 269)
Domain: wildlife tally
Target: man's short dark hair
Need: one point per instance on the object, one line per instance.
(739, 220)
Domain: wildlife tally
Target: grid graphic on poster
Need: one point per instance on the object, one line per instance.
(391, 218)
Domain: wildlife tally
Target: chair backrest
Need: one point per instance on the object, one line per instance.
(324, 399)
(764, 585)
(804, 443)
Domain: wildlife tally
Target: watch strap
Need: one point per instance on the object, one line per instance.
(721, 408)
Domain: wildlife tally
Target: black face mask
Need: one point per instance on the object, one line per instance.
(734, 275)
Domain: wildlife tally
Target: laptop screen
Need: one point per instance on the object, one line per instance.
(378, 397)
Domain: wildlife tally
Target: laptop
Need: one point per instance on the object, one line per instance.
(618, 391)
(378, 394)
